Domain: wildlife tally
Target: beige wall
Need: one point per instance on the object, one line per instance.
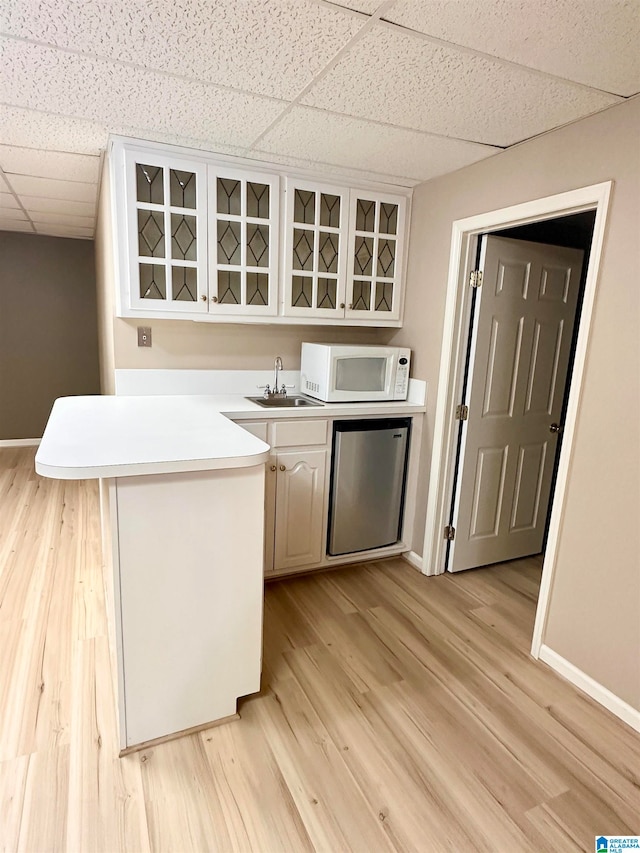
(221, 346)
(47, 328)
(594, 616)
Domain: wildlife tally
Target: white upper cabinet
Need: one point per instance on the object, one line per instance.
(376, 255)
(243, 217)
(218, 240)
(315, 249)
(166, 226)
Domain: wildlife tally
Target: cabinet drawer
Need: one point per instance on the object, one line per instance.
(298, 433)
(257, 428)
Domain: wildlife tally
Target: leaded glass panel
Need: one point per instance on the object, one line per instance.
(363, 257)
(388, 218)
(150, 233)
(257, 200)
(182, 186)
(302, 291)
(361, 295)
(183, 237)
(229, 287)
(384, 295)
(365, 215)
(257, 288)
(303, 245)
(229, 242)
(304, 207)
(153, 281)
(149, 184)
(184, 284)
(257, 245)
(386, 258)
(229, 196)
(329, 244)
(329, 210)
(327, 290)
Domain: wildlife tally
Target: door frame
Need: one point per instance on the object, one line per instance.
(464, 240)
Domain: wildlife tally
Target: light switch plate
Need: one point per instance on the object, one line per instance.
(144, 336)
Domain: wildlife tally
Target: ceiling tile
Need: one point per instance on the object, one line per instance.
(44, 130)
(352, 143)
(53, 205)
(15, 225)
(403, 79)
(271, 47)
(25, 185)
(8, 213)
(595, 43)
(58, 218)
(367, 6)
(50, 164)
(43, 78)
(64, 230)
(8, 201)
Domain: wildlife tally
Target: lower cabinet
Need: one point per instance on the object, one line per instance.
(296, 488)
(298, 507)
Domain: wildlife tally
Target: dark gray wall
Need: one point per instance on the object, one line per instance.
(48, 328)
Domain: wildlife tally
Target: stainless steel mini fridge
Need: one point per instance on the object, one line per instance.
(367, 484)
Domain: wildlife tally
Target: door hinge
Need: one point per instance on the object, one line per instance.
(449, 533)
(462, 413)
(475, 278)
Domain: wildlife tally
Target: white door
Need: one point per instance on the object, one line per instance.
(523, 329)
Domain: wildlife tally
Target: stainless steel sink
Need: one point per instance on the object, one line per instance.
(283, 402)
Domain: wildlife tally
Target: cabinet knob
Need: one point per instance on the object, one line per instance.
(203, 297)
(283, 467)
(214, 298)
(342, 304)
(350, 306)
(273, 467)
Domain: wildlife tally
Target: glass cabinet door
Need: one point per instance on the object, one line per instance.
(376, 247)
(315, 250)
(167, 232)
(244, 209)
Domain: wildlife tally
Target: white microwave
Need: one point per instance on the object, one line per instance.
(346, 374)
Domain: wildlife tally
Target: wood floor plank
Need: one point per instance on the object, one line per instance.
(397, 712)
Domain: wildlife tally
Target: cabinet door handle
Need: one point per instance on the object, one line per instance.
(273, 467)
(214, 298)
(203, 297)
(283, 467)
(342, 304)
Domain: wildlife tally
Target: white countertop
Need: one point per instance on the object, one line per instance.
(108, 436)
(93, 437)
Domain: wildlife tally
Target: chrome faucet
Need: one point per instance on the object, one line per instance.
(278, 368)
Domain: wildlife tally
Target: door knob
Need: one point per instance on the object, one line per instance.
(555, 428)
(273, 467)
(283, 467)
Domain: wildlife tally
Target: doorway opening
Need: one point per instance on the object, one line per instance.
(538, 218)
(523, 326)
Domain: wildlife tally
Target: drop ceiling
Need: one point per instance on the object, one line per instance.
(399, 91)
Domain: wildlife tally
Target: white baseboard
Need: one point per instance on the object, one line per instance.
(414, 559)
(613, 703)
(20, 442)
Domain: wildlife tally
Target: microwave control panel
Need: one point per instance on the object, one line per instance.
(402, 378)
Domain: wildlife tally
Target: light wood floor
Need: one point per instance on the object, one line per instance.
(397, 713)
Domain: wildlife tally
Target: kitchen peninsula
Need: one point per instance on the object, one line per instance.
(182, 501)
(183, 508)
